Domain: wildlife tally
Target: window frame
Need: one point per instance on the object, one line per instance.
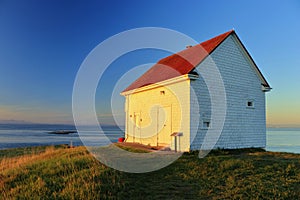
(206, 124)
(251, 101)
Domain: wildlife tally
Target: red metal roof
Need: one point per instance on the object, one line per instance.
(178, 64)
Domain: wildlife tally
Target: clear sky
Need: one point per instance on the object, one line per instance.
(43, 43)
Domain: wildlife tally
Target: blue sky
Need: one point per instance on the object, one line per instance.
(43, 43)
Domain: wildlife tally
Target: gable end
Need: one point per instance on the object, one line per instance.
(265, 85)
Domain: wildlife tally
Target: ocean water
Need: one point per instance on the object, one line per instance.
(23, 135)
(283, 140)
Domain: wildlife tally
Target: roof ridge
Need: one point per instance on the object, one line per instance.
(179, 63)
(226, 34)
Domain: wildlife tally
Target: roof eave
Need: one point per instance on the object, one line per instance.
(265, 88)
(161, 84)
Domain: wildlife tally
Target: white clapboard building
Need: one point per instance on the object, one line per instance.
(210, 93)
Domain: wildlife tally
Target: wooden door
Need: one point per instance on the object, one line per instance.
(164, 123)
(137, 128)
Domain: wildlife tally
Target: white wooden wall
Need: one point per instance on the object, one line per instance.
(244, 126)
(145, 126)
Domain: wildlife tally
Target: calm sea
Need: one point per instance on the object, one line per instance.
(23, 135)
(283, 139)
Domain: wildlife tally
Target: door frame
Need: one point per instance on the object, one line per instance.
(158, 123)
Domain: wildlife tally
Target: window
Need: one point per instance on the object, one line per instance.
(162, 92)
(206, 124)
(250, 104)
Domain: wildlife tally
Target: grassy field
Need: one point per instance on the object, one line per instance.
(72, 173)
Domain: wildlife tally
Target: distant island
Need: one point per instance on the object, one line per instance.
(62, 132)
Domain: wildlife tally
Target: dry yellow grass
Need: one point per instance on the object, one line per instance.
(62, 173)
(7, 163)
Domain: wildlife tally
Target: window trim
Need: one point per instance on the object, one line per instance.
(207, 122)
(251, 101)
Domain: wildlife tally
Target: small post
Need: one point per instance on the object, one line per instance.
(176, 134)
(175, 143)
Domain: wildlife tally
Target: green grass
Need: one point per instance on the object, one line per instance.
(62, 173)
(25, 150)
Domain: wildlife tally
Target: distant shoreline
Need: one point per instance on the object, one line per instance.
(282, 139)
